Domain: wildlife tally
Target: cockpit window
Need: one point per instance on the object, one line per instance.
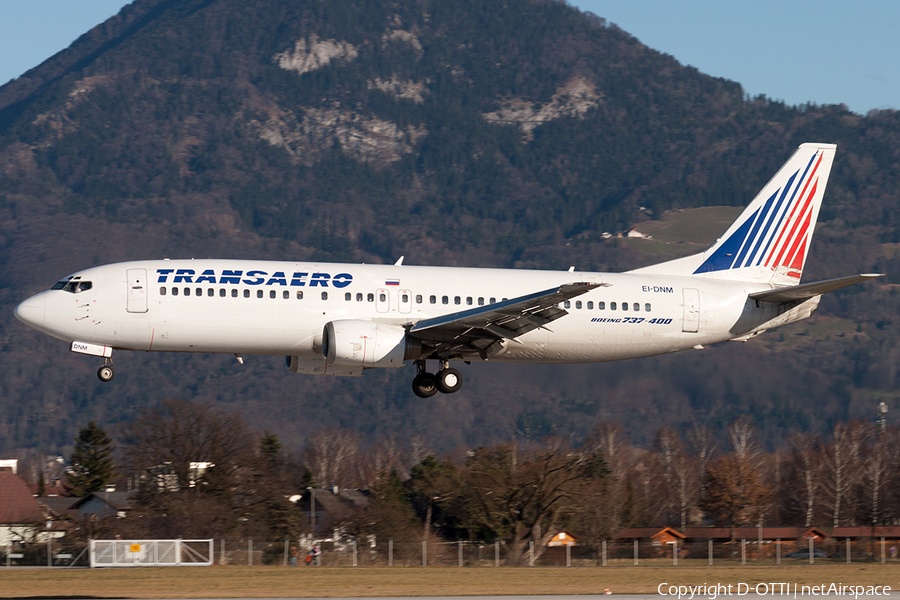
(73, 287)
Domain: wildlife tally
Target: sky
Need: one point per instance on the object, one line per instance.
(828, 52)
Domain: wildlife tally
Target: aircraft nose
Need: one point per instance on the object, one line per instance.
(31, 311)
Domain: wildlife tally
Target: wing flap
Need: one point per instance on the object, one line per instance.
(806, 291)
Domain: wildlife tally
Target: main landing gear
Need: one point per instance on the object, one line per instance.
(447, 380)
(106, 372)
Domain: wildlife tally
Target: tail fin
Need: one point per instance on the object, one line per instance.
(769, 242)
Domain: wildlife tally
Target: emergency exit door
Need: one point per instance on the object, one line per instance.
(137, 290)
(691, 310)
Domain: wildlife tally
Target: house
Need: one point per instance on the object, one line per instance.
(101, 505)
(21, 518)
(330, 507)
(563, 538)
(797, 535)
(655, 535)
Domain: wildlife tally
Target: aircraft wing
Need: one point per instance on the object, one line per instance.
(477, 329)
(806, 291)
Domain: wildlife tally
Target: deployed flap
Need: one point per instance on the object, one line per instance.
(809, 290)
(507, 319)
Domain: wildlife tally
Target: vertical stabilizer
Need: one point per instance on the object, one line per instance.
(769, 242)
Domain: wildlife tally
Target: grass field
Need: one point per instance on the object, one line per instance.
(233, 581)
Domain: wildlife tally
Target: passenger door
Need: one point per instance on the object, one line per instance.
(137, 290)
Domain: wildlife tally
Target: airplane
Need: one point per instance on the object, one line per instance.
(341, 319)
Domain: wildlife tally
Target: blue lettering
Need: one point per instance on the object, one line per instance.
(342, 280)
(208, 276)
(163, 275)
(299, 279)
(277, 278)
(320, 279)
(184, 276)
(230, 276)
(258, 280)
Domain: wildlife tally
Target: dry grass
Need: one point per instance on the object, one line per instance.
(232, 581)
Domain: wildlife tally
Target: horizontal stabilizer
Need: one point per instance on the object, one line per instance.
(809, 290)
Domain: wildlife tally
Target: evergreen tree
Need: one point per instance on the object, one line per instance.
(91, 463)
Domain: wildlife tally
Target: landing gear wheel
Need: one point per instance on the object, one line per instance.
(106, 373)
(449, 381)
(424, 385)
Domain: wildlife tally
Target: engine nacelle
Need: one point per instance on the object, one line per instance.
(368, 344)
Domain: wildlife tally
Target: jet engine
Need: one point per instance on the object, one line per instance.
(368, 344)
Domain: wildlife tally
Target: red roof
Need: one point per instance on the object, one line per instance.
(17, 505)
(752, 533)
(892, 532)
(646, 533)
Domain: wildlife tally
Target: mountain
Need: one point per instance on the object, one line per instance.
(507, 134)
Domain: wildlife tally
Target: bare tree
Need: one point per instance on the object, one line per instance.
(841, 458)
(808, 466)
(332, 455)
(876, 465)
(703, 442)
(740, 434)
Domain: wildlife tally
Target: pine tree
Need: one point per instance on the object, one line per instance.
(91, 464)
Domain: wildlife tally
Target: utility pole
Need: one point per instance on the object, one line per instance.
(882, 416)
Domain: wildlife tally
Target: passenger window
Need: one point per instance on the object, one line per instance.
(404, 298)
(286, 295)
(382, 297)
(468, 300)
(259, 293)
(480, 301)
(234, 293)
(324, 295)
(647, 307)
(162, 291)
(601, 306)
(636, 307)
(370, 297)
(445, 299)
(418, 298)
(567, 304)
(432, 299)
(624, 306)
(222, 293)
(210, 292)
(198, 292)
(457, 300)
(590, 305)
(612, 306)
(246, 293)
(174, 291)
(299, 294)
(359, 297)
(578, 304)
(348, 296)
(504, 299)
(272, 294)
(493, 301)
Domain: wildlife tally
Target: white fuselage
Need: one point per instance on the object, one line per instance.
(280, 308)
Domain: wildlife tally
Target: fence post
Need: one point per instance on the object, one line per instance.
(250, 552)
(284, 558)
(709, 543)
(531, 553)
(568, 554)
(496, 553)
(811, 557)
(460, 558)
(882, 549)
(675, 553)
(222, 552)
(391, 552)
(603, 556)
(777, 551)
(847, 545)
(743, 551)
(635, 551)
(424, 554)
(50, 550)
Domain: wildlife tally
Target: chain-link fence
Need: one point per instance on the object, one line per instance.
(368, 551)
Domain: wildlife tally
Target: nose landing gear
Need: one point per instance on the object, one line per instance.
(106, 372)
(446, 381)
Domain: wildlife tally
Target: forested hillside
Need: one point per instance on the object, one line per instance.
(470, 133)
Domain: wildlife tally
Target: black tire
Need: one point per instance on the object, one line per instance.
(449, 381)
(424, 385)
(106, 373)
